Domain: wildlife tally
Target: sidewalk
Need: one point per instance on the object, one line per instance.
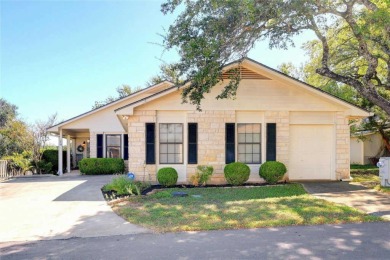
(357, 196)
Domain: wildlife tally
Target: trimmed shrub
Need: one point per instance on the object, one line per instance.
(51, 156)
(236, 173)
(167, 176)
(272, 171)
(100, 166)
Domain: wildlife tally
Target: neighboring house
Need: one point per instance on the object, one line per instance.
(273, 117)
(371, 146)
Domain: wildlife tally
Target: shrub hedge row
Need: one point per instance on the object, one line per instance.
(100, 166)
(236, 173)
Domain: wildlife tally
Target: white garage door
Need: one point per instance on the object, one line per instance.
(310, 152)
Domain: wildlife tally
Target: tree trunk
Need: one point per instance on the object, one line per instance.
(385, 139)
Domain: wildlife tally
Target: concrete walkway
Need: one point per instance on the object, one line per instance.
(354, 195)
(41, 208)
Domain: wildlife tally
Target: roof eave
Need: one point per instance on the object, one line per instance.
(56, 127)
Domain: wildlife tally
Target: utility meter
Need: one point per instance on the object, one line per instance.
(384, 171)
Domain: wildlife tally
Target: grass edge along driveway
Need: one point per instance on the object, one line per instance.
(368, 176)
(235, 208)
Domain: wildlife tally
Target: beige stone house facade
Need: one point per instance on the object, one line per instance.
(273, 117)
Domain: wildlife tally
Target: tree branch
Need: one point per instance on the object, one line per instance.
(363, 48)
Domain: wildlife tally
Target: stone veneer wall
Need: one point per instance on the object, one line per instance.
(342, 147)
(136, 163)
(211, 141)
(92, 145)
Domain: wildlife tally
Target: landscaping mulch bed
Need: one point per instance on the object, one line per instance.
(112, 195)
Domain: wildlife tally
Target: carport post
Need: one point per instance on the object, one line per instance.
(68, 153)
(60, 159)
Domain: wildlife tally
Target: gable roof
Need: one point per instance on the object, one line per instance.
(301, 82)
(250, 73)
(151, 89)
(249, 69)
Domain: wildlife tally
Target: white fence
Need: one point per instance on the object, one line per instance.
(3, 169)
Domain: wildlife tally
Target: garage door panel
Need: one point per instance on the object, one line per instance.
(310, 152)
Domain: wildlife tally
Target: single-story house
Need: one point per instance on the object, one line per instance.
(273, 117)
(364, 150)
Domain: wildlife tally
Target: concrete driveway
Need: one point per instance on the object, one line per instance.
(353, 195)
(41, 208)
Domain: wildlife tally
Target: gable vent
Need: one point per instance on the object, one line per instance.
(245, 74)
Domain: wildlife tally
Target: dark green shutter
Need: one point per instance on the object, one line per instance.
(192, 143)
(271, 142)
(230, 138)
(99, 146)
(126, 147)
(150, 143)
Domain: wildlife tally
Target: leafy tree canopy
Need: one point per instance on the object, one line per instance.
(122, 91)
(379, 122)
(15, 136)
(8, 112)
(167, 72)
(209, 34)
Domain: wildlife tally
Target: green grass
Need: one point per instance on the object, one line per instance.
(369, 180)
(363, 167)
(365, 178)
(383, 189)
(235, 208)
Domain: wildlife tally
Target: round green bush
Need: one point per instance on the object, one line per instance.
(236, 173)
(167, 176)
(272, 171)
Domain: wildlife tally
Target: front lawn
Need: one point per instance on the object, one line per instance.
(234, 208)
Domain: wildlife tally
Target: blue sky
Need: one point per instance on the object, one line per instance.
(61, 56)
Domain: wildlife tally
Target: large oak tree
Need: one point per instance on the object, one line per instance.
(211, 33)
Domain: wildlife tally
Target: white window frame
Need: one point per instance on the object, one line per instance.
(260, 143)
(168, 143)
(120, 145)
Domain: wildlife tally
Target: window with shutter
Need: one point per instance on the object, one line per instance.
(171, 143)
(249, 143)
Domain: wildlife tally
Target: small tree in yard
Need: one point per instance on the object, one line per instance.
(40, 138)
